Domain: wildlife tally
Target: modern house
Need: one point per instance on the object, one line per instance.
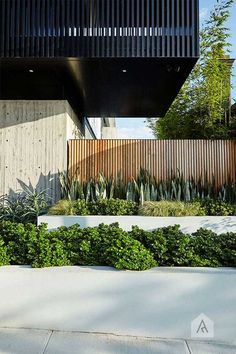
(63, 62)
(108, 58)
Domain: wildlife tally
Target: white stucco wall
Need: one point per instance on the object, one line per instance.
(218, 224)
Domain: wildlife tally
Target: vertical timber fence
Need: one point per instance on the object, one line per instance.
(162, 158)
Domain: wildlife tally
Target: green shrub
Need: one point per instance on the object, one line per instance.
(169, 245)
(83, 245)
(218, 208)
(171, 208)
(98, 207)
(4, 257)
(207, 248)
(228, 247)
(16, 238)
(113, 207)
(154, 241)
(122, 251)
(69, 207)
(110, 245)
(52, 253)
(46, 249)
(179, 251)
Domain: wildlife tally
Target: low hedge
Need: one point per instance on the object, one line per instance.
(99, 207)
(207, 207)
(218, 208)
(103, 245)
(109, 245)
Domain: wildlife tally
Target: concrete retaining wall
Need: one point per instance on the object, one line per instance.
(218, 224)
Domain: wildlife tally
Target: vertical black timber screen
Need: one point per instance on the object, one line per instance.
(98, 28)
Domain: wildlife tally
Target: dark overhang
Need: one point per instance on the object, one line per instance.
(107, 57)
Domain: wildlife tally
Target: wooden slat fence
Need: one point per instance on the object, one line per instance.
(193, 158)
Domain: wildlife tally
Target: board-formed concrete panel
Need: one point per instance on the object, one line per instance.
(33, 143)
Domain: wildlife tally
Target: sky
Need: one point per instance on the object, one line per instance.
(135, 128)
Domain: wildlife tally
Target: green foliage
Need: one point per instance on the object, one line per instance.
(113, 207)
(171, 208)
(4, 257)
(228, 249)
(83, 245)
(200, 111)
(110, 245)
(207, 248)
(95, 188)
(24, 207)
(16, 237)
(154, 241)
(146, 188)
(47, 250)
(203, 248)
(179, 252)
(169, 245)
(71, 187)
(98, 207)
(218, 208)
(105, 245)
(69, 207)
(122, 251)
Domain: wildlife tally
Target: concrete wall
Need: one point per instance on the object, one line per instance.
(109, 133)
(33, 143)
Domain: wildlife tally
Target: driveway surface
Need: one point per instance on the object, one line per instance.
(28, 341)
(99, 310)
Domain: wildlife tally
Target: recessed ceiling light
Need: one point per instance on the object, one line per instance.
(177, 69)
(124, 71)
(31, 71)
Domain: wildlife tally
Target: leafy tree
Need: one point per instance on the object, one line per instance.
(201, 108)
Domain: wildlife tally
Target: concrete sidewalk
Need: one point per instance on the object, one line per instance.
(28, 341)
(159, 303)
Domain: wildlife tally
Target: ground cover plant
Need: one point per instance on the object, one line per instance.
(109, 245)
(172, 208)
(98, 207)
(162, 208)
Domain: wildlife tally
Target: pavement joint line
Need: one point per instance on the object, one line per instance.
(49, 338)
(99, 334)
(121, 336)
(188, 347)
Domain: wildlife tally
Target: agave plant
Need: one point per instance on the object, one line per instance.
(25, 206)
(71, 187)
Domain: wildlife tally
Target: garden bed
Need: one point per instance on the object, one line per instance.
(189, 224)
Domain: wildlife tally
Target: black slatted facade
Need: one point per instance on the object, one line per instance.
(106, 57)
(99, 28)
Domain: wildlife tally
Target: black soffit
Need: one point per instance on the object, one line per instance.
(106, 57)
(99, 87)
